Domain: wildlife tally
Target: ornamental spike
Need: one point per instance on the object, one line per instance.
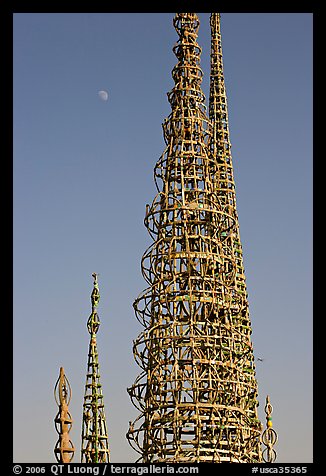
(269, 436)
(64, 449)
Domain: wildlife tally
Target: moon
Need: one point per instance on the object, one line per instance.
(103, 95)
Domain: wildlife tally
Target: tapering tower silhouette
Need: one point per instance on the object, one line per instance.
(220, 146)
(197, 390)
(95, 446)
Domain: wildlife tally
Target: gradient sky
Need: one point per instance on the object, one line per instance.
(83, 173)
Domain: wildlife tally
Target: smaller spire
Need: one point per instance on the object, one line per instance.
(269, 436)
(64, 449)
(95, 446)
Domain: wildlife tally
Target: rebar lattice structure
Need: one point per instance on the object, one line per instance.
(197, 392)
(220, 148)
(95, 446)
(64, 449)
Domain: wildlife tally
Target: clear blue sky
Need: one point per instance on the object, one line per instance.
(83, 173)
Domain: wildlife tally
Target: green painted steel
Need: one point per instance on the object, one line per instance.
(95, 446)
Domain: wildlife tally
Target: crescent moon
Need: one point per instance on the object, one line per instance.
(103, 95)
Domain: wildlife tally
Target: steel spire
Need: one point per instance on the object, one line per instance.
(197, 392)
(95, 446)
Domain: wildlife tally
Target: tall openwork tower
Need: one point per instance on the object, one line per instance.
(95, 446)
(220, 146)
(197, 392)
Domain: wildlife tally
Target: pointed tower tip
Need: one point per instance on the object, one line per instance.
(95, 296)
